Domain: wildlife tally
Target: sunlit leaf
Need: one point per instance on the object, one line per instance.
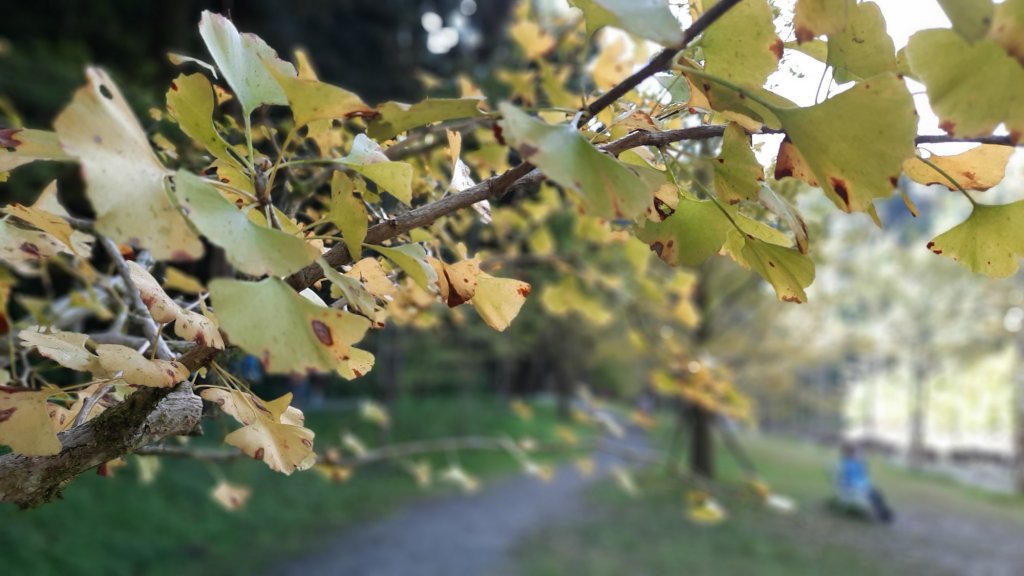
(348, 213)
(988, 242)
(534, 40)
(608, 188)
(272, 432)
(650, 19)
(971, 18)
(394, 118)
(1008, 28)
(971, 87)
(124, 179)
(863, 49)
(287, 332)
(191, 103)
(412, 259)
(175, 279)
(977, 169)
(252, 249)
(242, 58)
(25, 424)
(741, 46)
(367, 158)
(312, 100)
(876, 118)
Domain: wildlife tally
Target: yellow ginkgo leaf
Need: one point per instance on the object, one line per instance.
(49, 223)
(230, 496)
(272, 431)
(454, 474)
(371, 274)
(375, 413)
(461, 279)
(175, 279)
(534, 40)
(979, 168)
(187, 324)
(354, 444)
(25, 422)
(333, 473)
(124, 180)
(498, 300)
(134, 368)
(65, 348)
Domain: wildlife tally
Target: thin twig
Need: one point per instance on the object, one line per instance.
(149, 326)
(89, 403)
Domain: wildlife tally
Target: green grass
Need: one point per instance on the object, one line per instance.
(116, 525)
(651, 535)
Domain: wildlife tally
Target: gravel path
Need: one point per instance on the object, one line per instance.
(454, 535)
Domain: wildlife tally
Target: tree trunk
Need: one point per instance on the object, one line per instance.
(701, 443)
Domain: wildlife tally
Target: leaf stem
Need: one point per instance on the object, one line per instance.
(946, 175)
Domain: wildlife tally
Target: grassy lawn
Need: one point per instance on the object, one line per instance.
(119, 526)
(651, 535)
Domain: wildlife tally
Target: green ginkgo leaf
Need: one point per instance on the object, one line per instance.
(971, 87)
(243, 60)
(988, 242)
(22, 146)
(738, 175)
(288, 333)
(412, 259)
(124, 180)
(650, 19)
(348, 213)
(191, 103)
(690, 235)
(742, 46)
(312, 100)
(1008, 28)
(355, 294)
(971, 18)
(607, 187)
(251, 248)
(787, 270)
(863, 49)
(394, 118)
(877, 122)
(367, 158)
(812, 18)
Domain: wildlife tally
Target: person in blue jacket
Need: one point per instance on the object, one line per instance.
(855, 485)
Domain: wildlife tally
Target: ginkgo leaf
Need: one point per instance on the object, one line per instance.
(690, 235)
(230, 496)
(988, 242)
(22, 249)
(567, 296)
(742, 46)
(370, 273)
(971, 18)
(175, 279)
(1008, 28)
(787, 213)
(49, 223)
(971, 87)
(498, 300)
(979, 168)
(534, 40)
(608, 188)
(786, 269)
(161, 307)
(394, 118)
(457, 476)
(312, 100)
(461, 279)
(813, 18)
(356, 295)
(198, 328)
(64, 348)
(19, 146)
(134, 368)
(348, 213)
(190, 101)
(738, 175)
(876, 118)
(650, 19)
(247, 408)
(284, 448)
(412, 259)
(863, 49)
(243, 59)
(374, 413)
(249, 247)
(286, 331)
(25, 423)
(124, 180)
(367, 158)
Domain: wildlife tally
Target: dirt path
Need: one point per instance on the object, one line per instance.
(453, 535)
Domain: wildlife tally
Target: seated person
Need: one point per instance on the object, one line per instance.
(854, 484)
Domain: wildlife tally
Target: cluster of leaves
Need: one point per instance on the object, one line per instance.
(346, 200)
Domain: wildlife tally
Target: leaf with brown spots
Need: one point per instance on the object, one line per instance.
(289, 333)
(979, 168)
(812, 18)
(787, 270)
(988, 242)
(189, 325)
(742, 46)
(691, 235)
(863, 49)
(22, 146)
(230, 496)
(498, 300)
(877, 122)
(25, 422)
(64, 348)
(134, 368)
(738, 175)
(272, 431)
(124, 180)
